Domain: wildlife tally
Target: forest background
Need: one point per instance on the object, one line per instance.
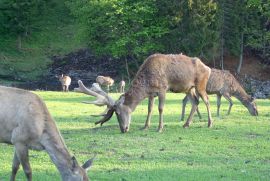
(34, 31)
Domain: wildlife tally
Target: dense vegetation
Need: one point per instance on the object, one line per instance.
(236, 148)
(130, 30)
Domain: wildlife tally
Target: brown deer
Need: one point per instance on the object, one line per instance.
(65, 82)
(121, 86)
(27, 124)
(223, 83)
(158, 73)
(106, 81)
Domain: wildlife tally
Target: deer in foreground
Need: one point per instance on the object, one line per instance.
(106, 81)
(158, 73)
(65, 82)
(121, 86)
(27, 124)
(223, 83)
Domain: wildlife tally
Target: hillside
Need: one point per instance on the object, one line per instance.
(54, 34)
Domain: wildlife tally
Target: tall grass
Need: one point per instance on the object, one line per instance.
(236, 148)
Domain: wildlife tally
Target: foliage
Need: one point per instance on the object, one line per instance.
(259, 28)
(236, 148)
(120, 28)
(50, 33)
(194, 29)
(17, 17)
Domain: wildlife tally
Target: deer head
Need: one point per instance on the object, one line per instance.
(122, 111)
(79, 172)
(251, 106)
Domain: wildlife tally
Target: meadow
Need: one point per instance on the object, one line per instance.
(237, 147)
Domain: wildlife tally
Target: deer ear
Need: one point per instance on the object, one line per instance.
(253, 98)
(87, 165)
(74, 162)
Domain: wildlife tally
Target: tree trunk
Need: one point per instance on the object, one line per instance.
(19, 42)
(127, 69)
(222, 54)
(241, 54)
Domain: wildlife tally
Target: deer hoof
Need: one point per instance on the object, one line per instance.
(186, 125)
(145, 128)
(160, 130)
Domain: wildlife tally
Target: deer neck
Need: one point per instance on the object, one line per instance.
(241, 95)
(134, 96)
(56, 148)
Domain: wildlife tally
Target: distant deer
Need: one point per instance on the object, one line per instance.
(27, 124)
(65, 82)
(121, 86)
(158, 73)
(223, 83)
(106, 81)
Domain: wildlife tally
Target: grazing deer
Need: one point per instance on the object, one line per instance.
(223, 83)
(65, 82)
(158, 73)
(27, 124)
(107, 81)
(121, 86)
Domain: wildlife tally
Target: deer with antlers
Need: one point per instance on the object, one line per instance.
(27, 124)
(158, 73)
(223, 83)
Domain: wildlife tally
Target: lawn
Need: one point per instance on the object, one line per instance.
(236, 148)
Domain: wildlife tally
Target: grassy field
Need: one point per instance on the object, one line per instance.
(236, 148)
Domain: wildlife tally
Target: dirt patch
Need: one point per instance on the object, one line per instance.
(251, 67)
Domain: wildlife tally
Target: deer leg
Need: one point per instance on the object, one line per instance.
(161, 99)
(218, 104)
(228, 98)
(151, 101)
(15, 167)
(184, 103)
(22, 156)
(198, 112)
(67, 88)
(205, 98)
(194, 100)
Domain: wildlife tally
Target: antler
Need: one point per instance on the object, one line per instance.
(102, 99)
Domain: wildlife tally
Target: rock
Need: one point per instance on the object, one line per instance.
(259, 89)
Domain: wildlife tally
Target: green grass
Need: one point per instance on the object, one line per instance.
(236, 148)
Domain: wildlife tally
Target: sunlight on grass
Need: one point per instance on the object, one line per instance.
(236, 148)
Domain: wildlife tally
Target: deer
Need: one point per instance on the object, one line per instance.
(223, 83)
(65, 82)
(27, 124)
(121, 86)
(159, 73)
(106, 81)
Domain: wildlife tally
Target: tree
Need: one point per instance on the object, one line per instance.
(258, 28)
(123, 28)
(17, 17)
